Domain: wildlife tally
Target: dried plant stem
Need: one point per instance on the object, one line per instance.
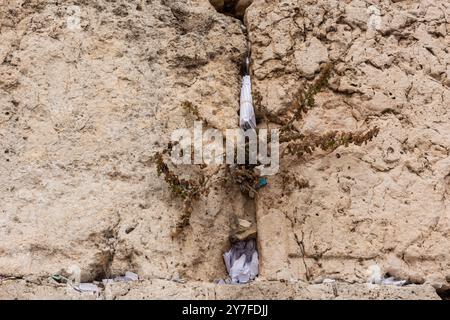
(299, 144)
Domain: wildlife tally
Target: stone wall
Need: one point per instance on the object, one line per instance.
(90, 90)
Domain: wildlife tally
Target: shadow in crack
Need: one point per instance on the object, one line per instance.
(443, 293)
(234, 8)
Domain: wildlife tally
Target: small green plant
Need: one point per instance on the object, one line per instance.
(246, 177)
(300, 144)
(191, 110)
(305, 99)
(185, 189)
(292, 141)
(189, 190)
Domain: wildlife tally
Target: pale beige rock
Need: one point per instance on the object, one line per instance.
(244, 223)
(89, 93)
(309, 57)
(245, 230)
(83, 108)
(385, 203)
(162, 290)
(244, 234)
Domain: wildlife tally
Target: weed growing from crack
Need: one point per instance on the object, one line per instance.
(292, 140)
(330, 141)
(246, 177)
(191, 110)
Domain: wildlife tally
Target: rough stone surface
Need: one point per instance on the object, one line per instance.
(258, 290)
(83, 108)
(385, 203)
(89, 90)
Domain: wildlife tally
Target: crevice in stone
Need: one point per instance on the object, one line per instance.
(301, 245)
(102, 268)
(233, 8)
(236, 9)
(241, 235)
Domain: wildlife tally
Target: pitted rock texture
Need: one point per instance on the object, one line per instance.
(385, 203)
(258, 290)
(89, 90)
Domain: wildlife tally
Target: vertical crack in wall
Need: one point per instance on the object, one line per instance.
(242, 238)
